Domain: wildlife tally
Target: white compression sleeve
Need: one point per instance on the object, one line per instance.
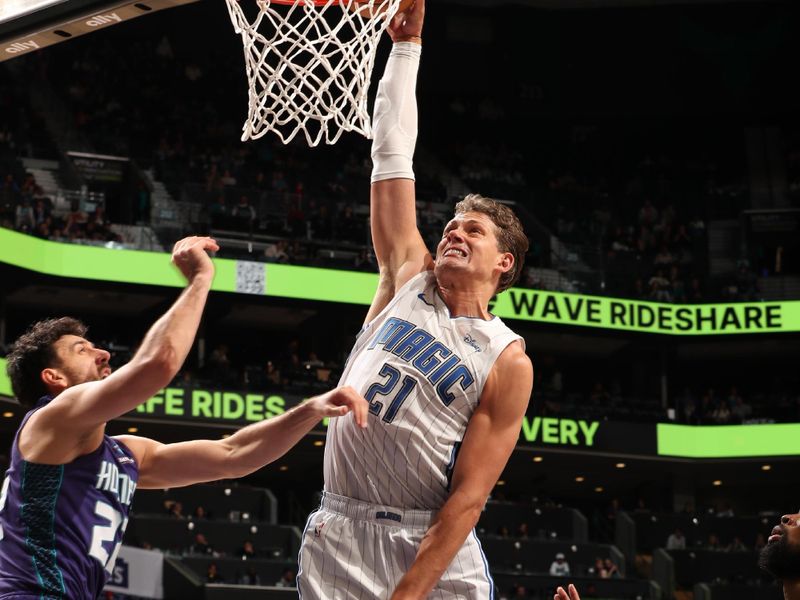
(395, 119)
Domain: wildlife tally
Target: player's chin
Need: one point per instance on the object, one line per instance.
(452, 264)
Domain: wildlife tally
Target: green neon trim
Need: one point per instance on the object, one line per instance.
(353, 287)
(5, 382)
(731, 441)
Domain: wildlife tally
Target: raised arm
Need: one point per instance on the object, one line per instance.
(399, 248)
(249, 449)
(491, 436)
(73, 422)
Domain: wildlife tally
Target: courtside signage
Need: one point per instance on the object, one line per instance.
(650, 317)
(213, 405)
(352, 287)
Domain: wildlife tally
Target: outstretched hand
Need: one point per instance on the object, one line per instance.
(340, 401)
(562, 594)
(190, 255)
(407, 25)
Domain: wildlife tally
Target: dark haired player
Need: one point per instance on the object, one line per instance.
(67, 494)
(781, 556)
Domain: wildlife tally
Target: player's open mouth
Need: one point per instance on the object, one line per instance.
(457, 252)
(105, 372)
(777, 533)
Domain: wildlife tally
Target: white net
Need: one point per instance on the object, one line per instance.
(309, 65)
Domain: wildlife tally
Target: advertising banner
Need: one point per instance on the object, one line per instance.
(138, 573)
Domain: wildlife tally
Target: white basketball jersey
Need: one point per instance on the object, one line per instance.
(423, 373)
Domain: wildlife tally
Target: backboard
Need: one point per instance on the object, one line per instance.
(29, 25)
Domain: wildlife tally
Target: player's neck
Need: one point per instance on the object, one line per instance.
(791, 590)
(466, 302)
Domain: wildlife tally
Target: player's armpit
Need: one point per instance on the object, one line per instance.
(491, 435)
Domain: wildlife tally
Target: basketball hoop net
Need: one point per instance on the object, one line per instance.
(309, 65)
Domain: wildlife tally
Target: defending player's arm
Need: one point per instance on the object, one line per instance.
(58, 432)
(399, 248)
(247, 450)
(490, 438)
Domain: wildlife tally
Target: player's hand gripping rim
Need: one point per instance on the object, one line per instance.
(562, 594)
(341, 401)
(406, 26)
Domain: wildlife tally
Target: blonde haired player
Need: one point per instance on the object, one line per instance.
(448, 385)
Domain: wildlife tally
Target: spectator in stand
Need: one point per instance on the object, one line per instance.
(721, 415)
(201, 546)
(737, 545)
(75, 221)
(220, 365)
(365, 261)
(523, 531)
(243, 214)
(288, 579)
(272, 374)
(726, 511)
(659, 287)
(559, 567)
(250, 577)
(676, 540)
(200, 513)
(677, 284)
(24, 219)
(599, 568)
(276, 253)
(41, 211)
(519, 591)
(713, 542)
(740, 410)
(213, 575)
(247, 551)
(612, 571)
(174, 509)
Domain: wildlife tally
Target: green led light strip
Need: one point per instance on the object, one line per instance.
(731, 441)
(679, 441)
(5, 382)
(352, 287)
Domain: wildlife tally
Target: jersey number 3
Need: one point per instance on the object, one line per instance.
(387, 389)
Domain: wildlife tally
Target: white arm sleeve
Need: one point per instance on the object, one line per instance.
(395, 119)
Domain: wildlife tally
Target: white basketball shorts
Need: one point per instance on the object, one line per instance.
(353, 550)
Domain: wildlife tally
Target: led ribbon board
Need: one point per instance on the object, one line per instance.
(730, 441)
(352, 287)
(186, 406)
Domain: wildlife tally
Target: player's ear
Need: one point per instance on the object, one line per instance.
(506, 262)
(53, 378)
